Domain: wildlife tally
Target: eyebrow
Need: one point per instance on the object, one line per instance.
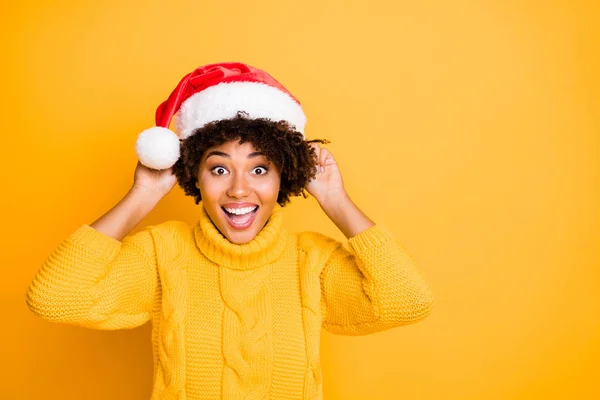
(222, 154)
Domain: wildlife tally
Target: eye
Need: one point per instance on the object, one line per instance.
(218, 171)
(262, 170)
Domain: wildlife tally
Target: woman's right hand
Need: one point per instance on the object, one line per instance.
(154, 181)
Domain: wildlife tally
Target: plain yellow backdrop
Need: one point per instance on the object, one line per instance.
(470, 129)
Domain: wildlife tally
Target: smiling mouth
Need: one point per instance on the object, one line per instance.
(239, 220)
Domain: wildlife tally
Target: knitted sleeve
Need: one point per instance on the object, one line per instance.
(95, 281)
(374, 286)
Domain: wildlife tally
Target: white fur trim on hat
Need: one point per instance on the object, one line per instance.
(225, 100)
(157, 148)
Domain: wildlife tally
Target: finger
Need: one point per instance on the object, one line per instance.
(324, 157)
(317, 149)
(316, 156)
(318, 165)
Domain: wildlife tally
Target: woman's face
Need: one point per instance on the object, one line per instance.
(239, 188)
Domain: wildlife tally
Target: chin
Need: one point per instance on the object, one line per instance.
(241, 237)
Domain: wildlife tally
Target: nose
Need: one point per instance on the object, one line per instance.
(239, 187)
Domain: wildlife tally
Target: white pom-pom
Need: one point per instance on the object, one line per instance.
(157, 148)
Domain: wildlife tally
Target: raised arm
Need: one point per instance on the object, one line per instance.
(95, 280)
(149, 187)
(373, 286)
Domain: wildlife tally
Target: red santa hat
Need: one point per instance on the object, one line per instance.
(211, 93)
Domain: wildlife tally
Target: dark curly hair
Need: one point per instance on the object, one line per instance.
(279, 141)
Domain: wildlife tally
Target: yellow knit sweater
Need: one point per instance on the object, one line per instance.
(232, 321)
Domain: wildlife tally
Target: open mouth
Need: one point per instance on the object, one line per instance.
(240, 218)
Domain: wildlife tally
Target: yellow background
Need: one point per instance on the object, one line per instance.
(471, 130)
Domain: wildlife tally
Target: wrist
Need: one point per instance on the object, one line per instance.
(334, 199)
(146, 192)
(342, 211)
(145, 198)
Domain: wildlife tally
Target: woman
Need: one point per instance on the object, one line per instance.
(236, 302)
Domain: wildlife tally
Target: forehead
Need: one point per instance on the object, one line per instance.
(235, 145)
(234, 149)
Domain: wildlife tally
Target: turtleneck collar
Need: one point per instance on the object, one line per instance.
(265, 247)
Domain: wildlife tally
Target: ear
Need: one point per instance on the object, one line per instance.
(197, 184)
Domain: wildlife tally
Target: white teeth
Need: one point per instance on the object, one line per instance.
(239, 211)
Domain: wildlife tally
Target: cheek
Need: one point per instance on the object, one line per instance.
(269, 188)
(210, 188)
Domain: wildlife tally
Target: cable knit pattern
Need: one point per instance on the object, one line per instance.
(170, 372)
(311, 263)
(232, 321)
(247, 324)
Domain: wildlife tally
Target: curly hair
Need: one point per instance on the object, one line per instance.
(279, 141)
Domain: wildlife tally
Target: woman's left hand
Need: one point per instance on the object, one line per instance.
(327, 185)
